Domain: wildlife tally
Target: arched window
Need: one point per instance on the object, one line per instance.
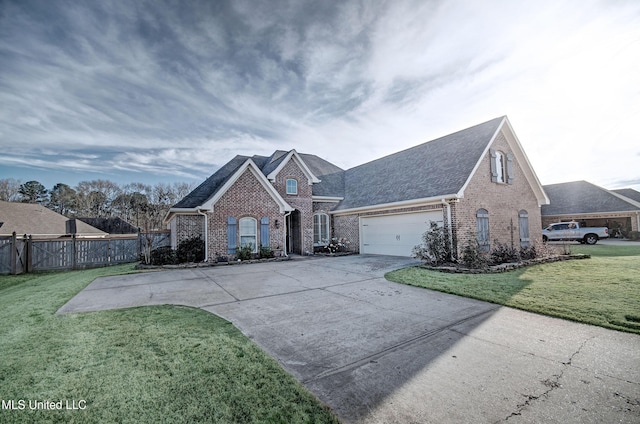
(523, 223)
(248, 233)
(320, 229)
(482, 227)
(292, 186)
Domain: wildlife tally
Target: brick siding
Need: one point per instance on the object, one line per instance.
(301, 201)
(246, 198)
(502, 201)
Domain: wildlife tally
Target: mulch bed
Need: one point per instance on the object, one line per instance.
(494, 269)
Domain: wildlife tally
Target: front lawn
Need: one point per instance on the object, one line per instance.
(148, 364)
(603, 290)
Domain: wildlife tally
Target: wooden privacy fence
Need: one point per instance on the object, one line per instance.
(20, 254)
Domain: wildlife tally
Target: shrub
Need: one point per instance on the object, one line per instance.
(528, 252)
(634, 235)
(266, 252)
(191, 250)
(163, 256)
(245, 252)
(435, 247)
(338, 245)
(503, 253)
(473, 256)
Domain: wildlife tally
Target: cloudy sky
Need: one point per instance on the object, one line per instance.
(169, 91)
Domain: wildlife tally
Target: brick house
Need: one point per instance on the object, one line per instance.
(477, 182)
(593, 206)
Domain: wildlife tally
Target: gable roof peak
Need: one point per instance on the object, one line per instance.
(276, 166)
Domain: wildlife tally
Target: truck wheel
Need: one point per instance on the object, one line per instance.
(591, 239)
(545, 239)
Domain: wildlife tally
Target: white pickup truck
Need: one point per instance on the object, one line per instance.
(572, 231)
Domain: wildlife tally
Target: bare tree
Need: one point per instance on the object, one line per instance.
(10, 189)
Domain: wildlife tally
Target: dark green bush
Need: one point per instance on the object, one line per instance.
(503, 253)
(163, 256)
(473, 256)
(244, 253)
(634, 235)
(528, 252)
(266, 252)
(191, 250)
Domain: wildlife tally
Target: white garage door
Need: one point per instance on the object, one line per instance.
(395, 234)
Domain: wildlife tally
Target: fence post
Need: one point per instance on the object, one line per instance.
(29, 254)
(13, 256)
(74, 250)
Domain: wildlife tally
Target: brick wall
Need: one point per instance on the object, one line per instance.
(188, 226)
(246, 198)
(502, 201)
(301, 201)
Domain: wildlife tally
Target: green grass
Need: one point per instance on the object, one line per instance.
(603, 290)
(150, 364)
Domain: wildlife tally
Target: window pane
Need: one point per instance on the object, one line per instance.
(248, 226)
(292, 186)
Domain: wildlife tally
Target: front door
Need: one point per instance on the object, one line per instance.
(294, 233)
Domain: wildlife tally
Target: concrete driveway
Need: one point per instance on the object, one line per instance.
(380, 352)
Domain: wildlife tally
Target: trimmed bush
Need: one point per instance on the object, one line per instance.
(244, 253)
(163, 256)
(191, 250)
(503, 253)
(266, 252)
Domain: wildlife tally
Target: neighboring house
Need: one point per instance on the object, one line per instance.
(34, 219)
(477, 182)
(595, 206)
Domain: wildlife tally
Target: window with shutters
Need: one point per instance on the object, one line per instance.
(482, 228)
(248, 233)
(501, 167)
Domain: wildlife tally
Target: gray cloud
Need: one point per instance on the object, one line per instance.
(173, 89)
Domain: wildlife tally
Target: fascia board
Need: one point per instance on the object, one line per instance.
(177, 211)
(326, 199)
(394, 205)
(305, 169)
(253, 168)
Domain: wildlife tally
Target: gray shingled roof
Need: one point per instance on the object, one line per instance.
(328, 187)
(579, 197)
(211, 185)
(629, 193)
(434, 168)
